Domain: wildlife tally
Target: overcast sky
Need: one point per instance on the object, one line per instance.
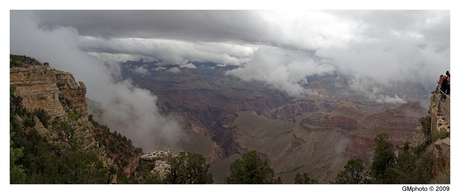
(383, 46)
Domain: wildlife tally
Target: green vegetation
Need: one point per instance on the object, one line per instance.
(354, 173)
(18, 60)
(386, 168)
(299, 179)
(119, 148)
(66, 103)
(426, 124)
(251, 170)
(382, 169)
(441, 134)
(443, 178)
(190, 168)
(43, 116)
(17, 175)
(51, 160)
(16, 107)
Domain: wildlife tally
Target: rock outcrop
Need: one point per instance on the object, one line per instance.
(294, 108)
(42, 87)
(157, 162)
(441, 155)
(440, 148)
(37, 86)
(75, 92)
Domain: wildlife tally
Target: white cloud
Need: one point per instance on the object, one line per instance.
(175, 70)
(188, 65)
(283, 69)
(159, 68)
(167, 51)
(129, 110)
(141, 70)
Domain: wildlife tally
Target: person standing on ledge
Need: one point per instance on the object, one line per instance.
(448, 83)
(443, 88)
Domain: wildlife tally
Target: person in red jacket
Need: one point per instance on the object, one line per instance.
(440, 82)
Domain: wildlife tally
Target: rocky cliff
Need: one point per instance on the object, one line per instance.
(37, 86)
(69, 89)
(57, 92)
(157, 161)
(440, 123)
(398, 123)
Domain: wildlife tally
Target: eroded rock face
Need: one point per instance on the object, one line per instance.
(37, 86)
(39, 126)
(193, 124)
(438, 120)
(441, 148)
(441, 154)
(157, 162)
(75, 92)
(40, 87)
(295, 107)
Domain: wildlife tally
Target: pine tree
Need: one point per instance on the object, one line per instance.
(251, 170)
(299, 179)
(17, 176)
(190, 168)
(354, 173)
(382, 169)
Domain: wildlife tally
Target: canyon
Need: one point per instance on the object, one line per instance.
(316, 133)
(225, 117)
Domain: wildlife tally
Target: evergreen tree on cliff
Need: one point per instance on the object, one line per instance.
(383, 164)
(17, 175)
(354, 173)
(299, 179)
(190, 168)
(251, 170)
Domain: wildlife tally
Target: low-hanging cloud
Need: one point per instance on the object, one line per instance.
(283, 69)
(141, 70)
(166, 51)
(129, 110)
(175, 70)
(188, 65)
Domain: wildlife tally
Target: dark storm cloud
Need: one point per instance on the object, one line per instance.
(371, 47)
(189, 25)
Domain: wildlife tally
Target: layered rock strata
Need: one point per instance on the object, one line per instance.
(75, 92)
(41, 86)
(37, 86)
